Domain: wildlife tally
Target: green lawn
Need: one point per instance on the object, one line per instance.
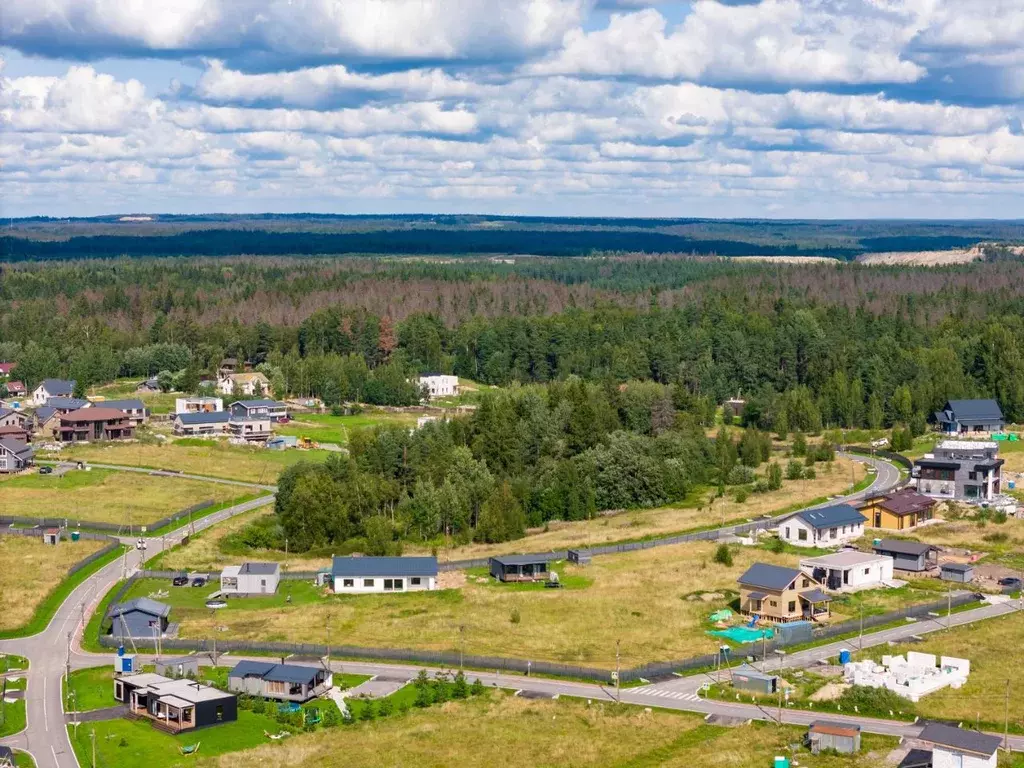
(91, 688)
(9, 662)
(194, 598)
(12, 717)
(325, 428)
(23, 760)
(126, 743)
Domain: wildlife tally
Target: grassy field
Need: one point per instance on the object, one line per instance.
(136, 744)
(324, 428)
(106, 496)
(11, 663)
(124, 389)
(91, 688)
(194, 456)
(204, 552)
(996, 654)
(12, 717)
(650, 600)
(545, 733)
(31, 570)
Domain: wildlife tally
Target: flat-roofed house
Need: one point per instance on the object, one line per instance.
(849, 570)
(954, 747)
(961, 417)
(912, 556)
(383, 574)
(175, 705)
(902, 510)
(520, 567)
(823, 527)
(439, 385)
(281, 682)
(201, 423)
(198, 404)
(780, 594)
(250, 579)
(94, 424)
(960, 469)
(52, 388)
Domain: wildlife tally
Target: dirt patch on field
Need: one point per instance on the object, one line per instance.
(829, 692)
(451, 579)
(923, 258)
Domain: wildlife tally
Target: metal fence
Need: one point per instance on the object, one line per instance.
(112, 544)
(111, 547)
(68, 522)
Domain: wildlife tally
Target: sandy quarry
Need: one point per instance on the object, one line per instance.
(932, 258)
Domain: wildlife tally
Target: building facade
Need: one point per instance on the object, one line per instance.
(962, 417)
(354, 575)
(94, 425)
(250, 579)
(902, 510)
(280, 682)
(778, 594)
(15, 456)
(966, 470)
(849, 571)
(439, 385)
(825, 527)
(52, 388)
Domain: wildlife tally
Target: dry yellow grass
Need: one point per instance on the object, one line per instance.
(106, 496)
(30, 570)
(487, 731)
(635, 597)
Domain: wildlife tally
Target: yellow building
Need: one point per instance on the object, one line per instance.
(899, 511)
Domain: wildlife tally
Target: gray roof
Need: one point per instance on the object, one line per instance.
(261, 569)
(957, 567)
(143, 604)
(774, 577)
(58, 386)
(901, 547)
(829, 517)
(816, 596)
(961, 739)
(17, 447)
(752, 673)
(212, 417)
(72, 403)
(125, 405)
(257, 403)
(384, 566)
(974, 410)
(44, 413)
(276, 673)
(522, 559)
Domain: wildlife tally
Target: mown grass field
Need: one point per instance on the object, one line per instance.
(124, 389)
(106, 496)
(88, 689)
(325, 428)
(546, 733)
(31, 570)
(194, 456)
(650, 600)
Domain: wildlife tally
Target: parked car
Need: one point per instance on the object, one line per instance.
(198, 581)
(180, 581)
(45, 470)
(1010, 581)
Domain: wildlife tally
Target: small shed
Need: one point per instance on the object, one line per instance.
(178, 666)
(748, 678)
(520, 567)
(962, 573)
(578, 556)
(794, 632)
(912, 556)
(841, 737)
(51, 535)
(140, 617)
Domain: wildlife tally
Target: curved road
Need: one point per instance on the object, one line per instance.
(50, 651)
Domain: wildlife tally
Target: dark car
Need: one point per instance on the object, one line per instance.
(45, 470)
(198, 581)
(1010, 581)
(180, 581)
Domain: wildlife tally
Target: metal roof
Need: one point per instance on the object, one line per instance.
(975, 410)
(816, 596)
(522, 559)
(260, 569)
(902, 547)
(384, 566)
(906, 502)
(203, 417)
(757, 595)
(829, 517)
(957, 567)
(276, 673)
(961, 739)
(124, 405)
(773, 577)
(143, 604)
(257, 403)
(94, 414)
(834, 729)
(58, 386)
(70, 403)
(16, 447)
(752, 673)
(43, 413)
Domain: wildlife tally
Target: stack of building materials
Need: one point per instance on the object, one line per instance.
(911, 677)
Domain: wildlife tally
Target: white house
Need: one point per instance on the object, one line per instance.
(52, 388)
(823, 527)
(198, 404)
(246, 383)
(250, 579)
(440, 385)
(960, 748)
(202, 423)
(15, 456)
(849, 570)
(351, 575)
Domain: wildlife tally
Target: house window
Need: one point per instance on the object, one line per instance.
(415, 581)
(972, 475)
(833, 533)
(867, 571)
(785, 534)
(348, 583)
(399, 584)
(806, 584)
(801, 535)
(367, 582)
(774, 604)
(792, 606)
(389, 584)
(220, 712)
(277, 687)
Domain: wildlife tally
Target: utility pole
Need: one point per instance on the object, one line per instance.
(949, 607)
(92, 735)
(618, 694)
(327, 626)
(861, 641)
(764, 653)
(780, 706)
(1006, 719)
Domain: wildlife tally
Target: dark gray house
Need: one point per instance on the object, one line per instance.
(960, 469)
(175, 705)
(959, 417)
(261, 408)
(748, 678)
(282, 682)
(141, 617)
(841, 737)
(910, 556)
(958, 572)
(520, 567)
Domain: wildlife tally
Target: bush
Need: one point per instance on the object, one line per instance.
(776, 545)
(258, 706)
(774, 476)
(332, 717)
(369, 711)
(386, 708)
(740, 475)
(460, 689)
(999, 517)
(810, 474)
(514, 616)
(742, 494)
(723, 556)
(761, 486)
(476, 688)
(794, 471)
(873, 701)
(799, 444)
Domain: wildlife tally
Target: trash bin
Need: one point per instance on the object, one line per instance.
(76, 535)
(844, 656)
(781, 762)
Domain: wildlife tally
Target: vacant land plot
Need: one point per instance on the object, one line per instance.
(193, 456)
(106, 496)
(996, 654)
(546, 733)
(30, 570)
(656, 602)
(325, 428)
(122, 389)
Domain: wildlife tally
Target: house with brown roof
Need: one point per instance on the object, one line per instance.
(899, 511)
(16, 388)
(94, 424)
(779, 594)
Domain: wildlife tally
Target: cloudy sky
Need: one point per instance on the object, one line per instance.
(782, 108)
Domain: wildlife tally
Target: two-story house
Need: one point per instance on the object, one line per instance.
(823, 527)
(439, 385)
(264, 408)
(64, 405)
(201, 423)
(94, 424)
(779, 594)
(970, 470)
(960, 417)
(52, 388)
(248, 384)
(14, 456)
(134, 409)
(11, 418)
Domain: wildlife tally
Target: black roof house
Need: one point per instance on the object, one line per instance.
(960, 739)
(766, 576)
(969, 415)
(520, 567)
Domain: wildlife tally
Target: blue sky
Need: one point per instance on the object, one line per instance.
(777, 108)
